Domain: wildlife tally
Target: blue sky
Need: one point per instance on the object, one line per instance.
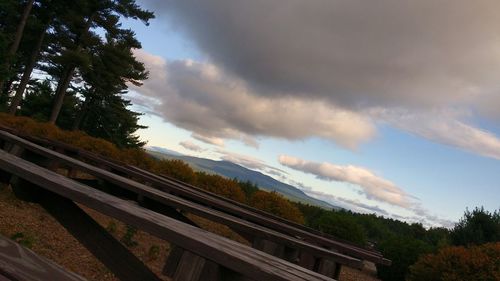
(396, 126)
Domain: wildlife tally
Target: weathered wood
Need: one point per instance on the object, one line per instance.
(328, 268)
(105, 164)
(173, 260)
(116, 257)
(269, 247)
(19, 263)
(195, 268)
(173, 201)
(225, 252)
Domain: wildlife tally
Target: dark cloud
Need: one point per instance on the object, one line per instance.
(351, 52)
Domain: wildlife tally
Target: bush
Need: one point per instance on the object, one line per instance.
(340, 226)
(222, 186)
(140, 158)
(275, 203)
(459, 263)
(403, 252)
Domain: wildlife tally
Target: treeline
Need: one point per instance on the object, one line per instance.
(70, 63)
(418, 253)
(471, 250)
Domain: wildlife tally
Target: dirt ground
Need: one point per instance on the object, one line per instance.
(31, 226)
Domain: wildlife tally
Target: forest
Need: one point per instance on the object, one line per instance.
(65, 70)
(70, 63)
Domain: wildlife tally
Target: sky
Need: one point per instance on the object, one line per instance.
(386, 107)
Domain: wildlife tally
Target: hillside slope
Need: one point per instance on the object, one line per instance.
(232, 170)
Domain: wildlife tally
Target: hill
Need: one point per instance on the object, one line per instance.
(232, 170)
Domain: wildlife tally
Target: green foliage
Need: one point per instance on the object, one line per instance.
(459, 263)
(154, 252)
(112, 227)
(23, 239)
(128, 237)
(477, 227)
(341, 225)
(403, 252)
(248, 187)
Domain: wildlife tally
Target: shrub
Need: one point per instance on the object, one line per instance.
(341, 226)
(222, 186)
(459, 263)
(276, 204)
(402, 251)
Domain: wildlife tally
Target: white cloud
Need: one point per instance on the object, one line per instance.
(191, 146)
(373, 186)
(444, 127)
(250, 163)
(209, 140)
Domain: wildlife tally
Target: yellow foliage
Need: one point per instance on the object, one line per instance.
(271, 202)
(276, 204)
(459, 263)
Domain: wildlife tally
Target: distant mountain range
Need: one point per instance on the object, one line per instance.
(232, 170)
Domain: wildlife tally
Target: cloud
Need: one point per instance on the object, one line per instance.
(355, 53)
(421, 215)
(444, 127)
(202, 98)
(191, 146)
(250, 163)
(373, 186)
(209, 140)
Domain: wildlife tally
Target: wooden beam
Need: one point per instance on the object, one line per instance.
(19, 263)
(176, 202)
(116, 257)
(230, 254)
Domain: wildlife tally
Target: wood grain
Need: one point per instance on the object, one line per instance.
(19, 263)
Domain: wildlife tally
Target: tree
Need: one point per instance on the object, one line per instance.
(14, 45)
(477, 227)
(341, 226)
(46, 15)
(403, 251)
(103, 14)
(459, 263)
(275, 203)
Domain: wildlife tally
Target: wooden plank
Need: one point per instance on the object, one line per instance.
(106, 163)
(225, 252)
(173, 260)
(116, 257)
(173, 201)
(19, 263)
(195, 268)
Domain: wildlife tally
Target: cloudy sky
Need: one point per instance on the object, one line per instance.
(382, 106)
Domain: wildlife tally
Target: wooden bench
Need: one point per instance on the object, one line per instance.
(324, 261)
(206, 255)
(226, 205)
(19, 263)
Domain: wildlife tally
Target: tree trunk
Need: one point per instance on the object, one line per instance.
(63, 84)
(17, 38)
(81, 115)
(27, 74)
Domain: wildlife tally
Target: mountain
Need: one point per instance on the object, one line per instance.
(232, 170)
(163, 150)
